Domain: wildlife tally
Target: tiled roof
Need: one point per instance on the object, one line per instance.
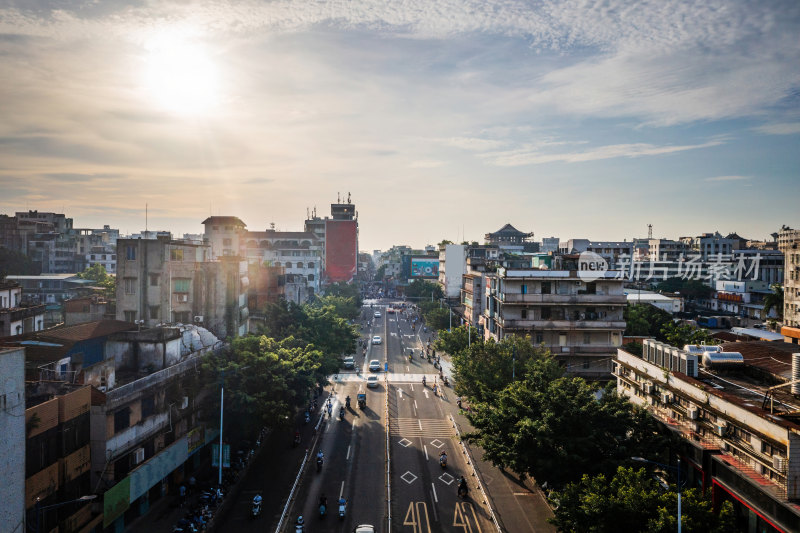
(224, 220)
(774, 357)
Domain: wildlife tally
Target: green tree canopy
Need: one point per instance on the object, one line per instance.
(16, 264)
(98, 274)
(645, 320)
(345, 290)
(345, 307)
(265, 380)
(692, 289)
(677, 334)
(424, 290)
(774, 300)
(632, 501)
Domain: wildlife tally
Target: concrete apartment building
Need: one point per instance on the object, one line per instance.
(298, 253)
(668, 250)
(12, 437)
(789, 244)
(452, 266)
(738, 435)
(164, 281)
(580, 321)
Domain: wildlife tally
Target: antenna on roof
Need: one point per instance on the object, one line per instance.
(649, 231)
(348, 197)
(338, 198)
(145, 218)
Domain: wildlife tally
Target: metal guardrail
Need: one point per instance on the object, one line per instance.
(475, 473)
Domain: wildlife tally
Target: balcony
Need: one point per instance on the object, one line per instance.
(21, 313)
(563, 299)
(584, 349)
(126, 439)
(561, 325)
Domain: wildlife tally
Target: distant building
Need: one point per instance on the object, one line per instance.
(165, 281)
(510, 238)
(666, 303)
(789, 244)
(549, 245)
(452, 266)
(668, 250)
(224, 234)
(17, 317)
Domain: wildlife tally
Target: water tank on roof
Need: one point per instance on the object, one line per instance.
(718, 358)
(699, 349)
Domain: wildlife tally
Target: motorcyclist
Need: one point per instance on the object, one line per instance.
(299, 525)
(443, 459)
(424, 382)
(462, 487)
(458, 402)
(347, 402)
(341, 412)
(320, 455)
(323, 504)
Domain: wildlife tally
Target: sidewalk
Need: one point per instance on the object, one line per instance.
(519, 505)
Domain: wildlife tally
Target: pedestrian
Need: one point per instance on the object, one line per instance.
(192, 484)
(182, 495)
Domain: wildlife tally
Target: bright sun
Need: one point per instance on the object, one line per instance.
(180, 76)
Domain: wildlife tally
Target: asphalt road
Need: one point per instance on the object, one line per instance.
(423, 494)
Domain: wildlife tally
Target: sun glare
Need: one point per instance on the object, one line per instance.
(180, 76)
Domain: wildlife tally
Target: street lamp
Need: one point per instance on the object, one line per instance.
(678, 471)
(40, 509)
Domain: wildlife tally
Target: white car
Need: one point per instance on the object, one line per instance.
(364, 528)
(372, 381)
(377, 314)
(375, 365)
(377, 339)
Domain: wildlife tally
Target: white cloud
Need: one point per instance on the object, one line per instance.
(426, 164)
(727, 178)
(534, 156)
(785, 128)
(473, 144)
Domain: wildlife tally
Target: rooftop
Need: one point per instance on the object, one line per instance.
(236, 221)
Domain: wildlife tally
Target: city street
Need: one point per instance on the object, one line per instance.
(421, 426)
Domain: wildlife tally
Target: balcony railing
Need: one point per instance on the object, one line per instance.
(563, 299)
(560, 324)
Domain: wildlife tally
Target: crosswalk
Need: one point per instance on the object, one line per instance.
(421, 427)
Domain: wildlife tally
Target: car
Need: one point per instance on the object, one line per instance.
(372, 381)
(377, 314)
(377, 339)
(349, 362)
(364, 528)
(375, 365)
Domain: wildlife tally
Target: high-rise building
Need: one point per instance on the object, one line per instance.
(789, 244)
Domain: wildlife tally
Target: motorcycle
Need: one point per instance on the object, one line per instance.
(458, 402)
(307, 418)
(463, 490)
(342, 508)
(319, 464)
(424, 382)
(443, 460)
(296, 440)
(323, 506)
(341, 413)
(446, 381)
(299, 526)
(255, 510)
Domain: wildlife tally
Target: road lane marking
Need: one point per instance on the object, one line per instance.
(426, 393)
(435, 497)
(415, 404)
(418, 421)
(341, 491)
(463, 520)
(347, 457)
(400, 392)
(417, 517)
(425, 448)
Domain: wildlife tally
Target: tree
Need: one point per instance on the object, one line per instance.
(690, 288)
(345, 290)
(98, 274)
(265, 380)
(345, 307)
(554, 428)
(774, 300)
(633, 501)
(380, 273)
(438, 319)
(456, 340)
(16, 264)
(424, 290)
(644, 320)
(677, 334)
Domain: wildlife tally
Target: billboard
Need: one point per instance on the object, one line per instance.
(424, 267)
(341, 249)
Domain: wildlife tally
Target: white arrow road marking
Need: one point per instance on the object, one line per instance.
(426, 393)
(400, 392)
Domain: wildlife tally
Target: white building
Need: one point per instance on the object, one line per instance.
(666, 303)
(17, 318)
(452, 266)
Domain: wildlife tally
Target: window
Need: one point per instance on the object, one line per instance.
(539, 338)
(148, 406)
(181, 316)
(523, 314)
(587, 338)
(154, 311)
(546, 313)
(130, 285)
(300, 265)
(176, 254)
(311, 277)
(524, 288)
(122, 419)
(154, 280)
(130, 252)
(288, 264)
(311, 265)
(130, 316)
(226, 242)
(591, 288)
(545, 287)
(180, 285)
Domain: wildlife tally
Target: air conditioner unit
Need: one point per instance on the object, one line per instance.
(648, 388)
(198, 318)
(183, 297)
(779, 463)
(693, 413)
(102, 388)
(138, 456)
(185, 402)
(666, 397)
(578, 283)
(720, 429)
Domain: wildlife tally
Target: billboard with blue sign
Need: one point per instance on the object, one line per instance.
(424, 267)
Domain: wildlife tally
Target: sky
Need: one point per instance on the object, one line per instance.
(442, 119)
